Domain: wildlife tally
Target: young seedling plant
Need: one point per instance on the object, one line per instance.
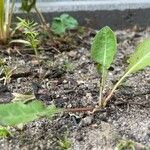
(27, 6)
(63, 23)
(6, 72)
(31, 37)
(31, 34)
(103, 51)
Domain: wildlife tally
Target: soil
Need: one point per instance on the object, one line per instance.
(70, 76)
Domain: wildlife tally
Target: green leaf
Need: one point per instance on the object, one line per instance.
(69, 22)
(125, 144)
(65, 143)
(102, 52)
(141, 57)
(139, 60)
(104, 48)
(63, 23)
(4, 132)
(14, 114)
(58, 26)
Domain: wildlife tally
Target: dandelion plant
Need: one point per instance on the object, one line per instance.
(103, 51)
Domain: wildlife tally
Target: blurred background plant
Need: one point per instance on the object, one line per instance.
(29, 29)
(6, 11)
(63, 23)
(27, 6)
(5, 72)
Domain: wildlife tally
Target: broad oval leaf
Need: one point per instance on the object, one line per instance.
(14, 114)
(141, 57)
(104, 48)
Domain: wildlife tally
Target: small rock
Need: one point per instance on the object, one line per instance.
(19, 80)
(86, 121)
(94, 125)
(89, 96)
(79, 71)
(69, 106)
(81, 49)
(136, 28)
(65, 81)
(35, 62)
(83, 58)
(21, 62)
(79, 138)
(80, 82)
(72, 53)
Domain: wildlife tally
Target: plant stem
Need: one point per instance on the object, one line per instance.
(37, 57)
(44, 23)
(100, 103)
(114, 88)
(6, 26)
(102, 87)
(40, 15)
(10, 18)
(1, 20)
(79, 109)
(84, 109)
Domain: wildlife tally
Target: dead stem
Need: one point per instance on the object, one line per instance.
(85, 109)
(44, 24)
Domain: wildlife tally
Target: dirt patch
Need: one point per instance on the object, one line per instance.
(72, 81)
